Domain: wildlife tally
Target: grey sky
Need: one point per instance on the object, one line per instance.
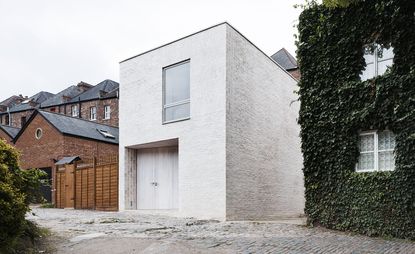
(48, 45)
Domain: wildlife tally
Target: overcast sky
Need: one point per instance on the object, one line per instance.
(47, 45)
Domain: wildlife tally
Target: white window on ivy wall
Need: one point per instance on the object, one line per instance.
(176, 92)
(107, 112)
(376, 151)
(377, 62)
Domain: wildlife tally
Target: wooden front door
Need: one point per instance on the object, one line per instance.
(69, 185)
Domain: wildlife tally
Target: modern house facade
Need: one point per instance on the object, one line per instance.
(208, 130)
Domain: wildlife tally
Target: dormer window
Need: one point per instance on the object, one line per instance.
(377, 60)
(93, 113)
(74, 111)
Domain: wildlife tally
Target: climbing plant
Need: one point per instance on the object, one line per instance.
(336, 105)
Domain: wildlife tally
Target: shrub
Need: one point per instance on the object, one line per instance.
(17, 189)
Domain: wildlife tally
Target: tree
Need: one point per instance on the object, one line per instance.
(338, 3)
(17, 189)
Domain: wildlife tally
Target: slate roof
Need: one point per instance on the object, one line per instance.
(37, 98)
(41, 96)
(67, 160)
(57, 99)
(285, 59)
(11, 131)
(11, 100)
(102, 90)
(79, 127)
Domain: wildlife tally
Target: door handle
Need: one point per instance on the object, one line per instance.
(154, 183)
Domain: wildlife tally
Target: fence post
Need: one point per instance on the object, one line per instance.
(75, 164)
(94, 165)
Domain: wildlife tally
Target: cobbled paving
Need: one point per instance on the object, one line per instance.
(240, 237)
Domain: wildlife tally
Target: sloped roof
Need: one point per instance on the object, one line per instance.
(11, 131)
(11, 100)
(77, 127)
(67, 160)
(57, 99)
(101, 90)
(285, 59)
(41, 96)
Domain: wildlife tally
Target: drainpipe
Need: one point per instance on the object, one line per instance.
(10, 117)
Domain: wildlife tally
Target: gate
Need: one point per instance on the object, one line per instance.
(94, 182)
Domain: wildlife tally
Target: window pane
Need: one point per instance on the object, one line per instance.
(386, 54)
(366, 161)
(386, 160)
(368, 72)
(177, 112)
(386, 140)
(177, 83)
(383, 66)
(367, 143)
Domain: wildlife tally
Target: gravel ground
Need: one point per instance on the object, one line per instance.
(81, 231)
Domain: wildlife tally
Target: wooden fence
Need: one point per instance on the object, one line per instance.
(94, 181)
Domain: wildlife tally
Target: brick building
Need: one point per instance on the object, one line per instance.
(17, 114)
(95, 103)
(48, 137)
(98, 103)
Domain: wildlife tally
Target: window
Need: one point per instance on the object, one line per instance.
(107, 112)
(176, 92)
(38, 133)
(93, 113)
(376, 151)
(377, 62)
(74, 111)
(22, 121)
(7, 120)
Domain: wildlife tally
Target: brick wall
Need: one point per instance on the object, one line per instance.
(39, 152)
(295, 73)
(6, 137)
(85, 110)
(17, 118)
(74, 146)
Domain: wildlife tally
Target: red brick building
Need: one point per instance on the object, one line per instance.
(48, 137)
(98, 103)
(95, 103)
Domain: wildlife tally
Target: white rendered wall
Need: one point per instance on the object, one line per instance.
(264, 179)
(201, 139)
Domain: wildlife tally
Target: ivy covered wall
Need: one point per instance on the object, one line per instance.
(336, 105)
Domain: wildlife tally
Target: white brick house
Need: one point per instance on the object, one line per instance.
(208, 129)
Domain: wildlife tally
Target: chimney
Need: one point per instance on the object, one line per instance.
(102, 93)
(66, 98)
(84, 86)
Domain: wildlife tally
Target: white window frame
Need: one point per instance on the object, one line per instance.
(376, 62)
(375, 151)
(107, 112)
(177, 103)
(93, 115)
(74, 111)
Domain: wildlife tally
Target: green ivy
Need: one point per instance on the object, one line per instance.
(336, 104)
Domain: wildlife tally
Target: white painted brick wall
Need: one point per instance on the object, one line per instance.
(202, 138)
(263, 178)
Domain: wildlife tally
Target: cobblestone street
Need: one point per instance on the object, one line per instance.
(131, 232)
